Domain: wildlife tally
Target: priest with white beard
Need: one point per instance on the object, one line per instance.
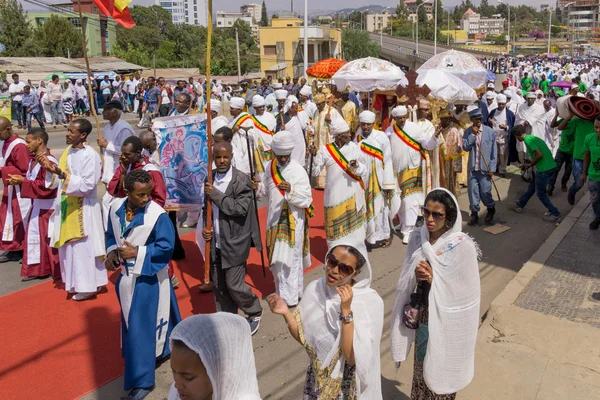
(409, 144)
(530, 115)
(307, 105)
(296, 122)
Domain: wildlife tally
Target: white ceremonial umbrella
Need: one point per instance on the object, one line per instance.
(462, 65)
(368, 74)
(447, 87)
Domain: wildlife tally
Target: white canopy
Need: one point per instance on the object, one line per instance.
(446, 87)
(462, 65)
(367, 74)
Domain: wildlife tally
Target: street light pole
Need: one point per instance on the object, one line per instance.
(417, 42)
(448, 32)
(435, 11)
(305, 38)
(549, 29)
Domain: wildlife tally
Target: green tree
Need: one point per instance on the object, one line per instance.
(57, 37)
(15, 31)
(440, 13)
(264, 17)
(422, 14)
(358, 44)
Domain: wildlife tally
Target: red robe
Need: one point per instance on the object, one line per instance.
(16, 164)
(159, 189)
(385, 115)
(37, 189)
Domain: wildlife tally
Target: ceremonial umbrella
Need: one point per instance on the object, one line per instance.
(325, 69)
(61, 76)
(368, 74)
(447, 87)
(562, 84)
(462, 65)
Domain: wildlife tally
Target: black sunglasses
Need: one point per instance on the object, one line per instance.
(436, 215)
(344, 269)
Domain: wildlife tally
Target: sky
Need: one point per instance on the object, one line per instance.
(272, 5)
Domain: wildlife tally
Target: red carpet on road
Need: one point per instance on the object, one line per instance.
(54, 348)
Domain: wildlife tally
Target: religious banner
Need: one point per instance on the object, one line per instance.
(5, 106)
(183, 150)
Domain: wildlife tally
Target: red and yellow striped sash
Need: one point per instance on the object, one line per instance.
(241, 119)
(261, 127)
(278, 178)
(410, 142)
(343, 163)
(372, 151)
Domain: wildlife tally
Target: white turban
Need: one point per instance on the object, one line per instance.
(368, 117)
(215, 105)
(277, 85)
(490, 95)
(288, 104)
(399, 111)
(531, 95)
(501, 99)
(283, 143)
(281, 94)
(258, 101)
(338, 126)
(237, 103)
(306, 91)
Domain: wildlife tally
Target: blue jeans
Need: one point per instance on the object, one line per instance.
(538, 186)
(479, 188)
(18, 112)
(57, 113)
(560, 159)
(35, 116)
(577, 171)
(594, 187)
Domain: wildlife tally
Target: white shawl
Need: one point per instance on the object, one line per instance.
(224, 344)
(453, 306)
(319, 310)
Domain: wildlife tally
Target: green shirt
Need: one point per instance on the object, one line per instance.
(526, 85)
(582, 87)
(544, 86)
(567, 139)
(582, 129)
(533, 143)
(592, 144)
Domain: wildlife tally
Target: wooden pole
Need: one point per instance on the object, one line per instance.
(89, 74)
(207, 285)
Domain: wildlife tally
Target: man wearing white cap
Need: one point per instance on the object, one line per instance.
(264, 129)
(217, 121)
(296, 122)
(281, 97)
(344, 197)
(287, 187)
(490, 99)
(242, 126)
(307, 105)
(409, 146)
(270, 100)
(531, 115)
(380, 184)
(502, 121)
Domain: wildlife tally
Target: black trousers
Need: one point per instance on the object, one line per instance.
(231, 290)
(178, 251)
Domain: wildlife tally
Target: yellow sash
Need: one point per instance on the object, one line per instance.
(71, 219)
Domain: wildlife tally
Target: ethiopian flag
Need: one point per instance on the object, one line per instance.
(118, 10)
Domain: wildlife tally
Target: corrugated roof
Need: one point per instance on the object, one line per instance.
(36, 66)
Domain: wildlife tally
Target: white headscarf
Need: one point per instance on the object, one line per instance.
(306, 91)
(289, 102)
(453, 311)
(215, 105)
(281, 94)
(224, 344)
(237, 102)
(368, 117)
(283, 143)
(399, 111)
(258, 101)
(322, 327)
(338, 126)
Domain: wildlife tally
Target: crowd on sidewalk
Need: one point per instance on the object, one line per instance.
(382, 166)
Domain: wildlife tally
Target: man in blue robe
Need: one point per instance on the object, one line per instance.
(140, 239)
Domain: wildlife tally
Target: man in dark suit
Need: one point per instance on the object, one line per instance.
(234, 232)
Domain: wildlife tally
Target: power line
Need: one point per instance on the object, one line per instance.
(57, 10)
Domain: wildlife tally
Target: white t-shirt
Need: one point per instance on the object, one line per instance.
(130, 86)
(165, 97)
(16, 87)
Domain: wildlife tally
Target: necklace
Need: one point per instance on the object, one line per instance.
(129, 214)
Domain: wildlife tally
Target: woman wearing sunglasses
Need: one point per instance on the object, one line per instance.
(339, 323)
(437, 302)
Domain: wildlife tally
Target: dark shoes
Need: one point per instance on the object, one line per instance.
(254, 322)
(595, 224)
(489, 217)
(138, 393)
(571, 197)
(11, 256)
(474, 220)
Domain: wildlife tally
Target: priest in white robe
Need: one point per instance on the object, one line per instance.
(305, 102)
(287, 187)
(242, 125)
(296, 122)
(380, 184)
(77, 218)
(217, 121)
(434, 157)
(264, 128)
(321, 135)
(409, 146)
(344, 197)
(530, 115)
(140, 240)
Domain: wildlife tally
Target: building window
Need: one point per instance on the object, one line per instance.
(166, 4)
(270, 50)
(75, 22)
(195, 8)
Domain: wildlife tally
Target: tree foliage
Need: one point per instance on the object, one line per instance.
(155, 37)
(358, 44)
(264, 17)
(57, 37)
(15, 31)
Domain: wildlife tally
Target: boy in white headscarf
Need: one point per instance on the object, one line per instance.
(242, 125)
(344, 197)
(380, 184)
(287, 187)
(409, 145)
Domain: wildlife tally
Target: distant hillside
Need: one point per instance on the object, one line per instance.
(373, 9)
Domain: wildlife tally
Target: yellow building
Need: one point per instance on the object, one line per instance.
(282, 46)
(457, 35)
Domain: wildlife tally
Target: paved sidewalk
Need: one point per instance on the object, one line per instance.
(540, 340)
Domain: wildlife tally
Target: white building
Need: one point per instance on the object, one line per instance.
(191, 12)
(253, 9)
(413, 17)
(227, 19)
(377, 22)
(474, 24)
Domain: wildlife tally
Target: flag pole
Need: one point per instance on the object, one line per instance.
(89, 75)
(207, 285)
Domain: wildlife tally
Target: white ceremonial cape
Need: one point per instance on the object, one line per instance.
(24, 204)
(534, 115)
(297, 126)
(239, 143)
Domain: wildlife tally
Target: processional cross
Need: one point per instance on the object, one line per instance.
(412, 90)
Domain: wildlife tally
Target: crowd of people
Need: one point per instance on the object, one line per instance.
(383, 165)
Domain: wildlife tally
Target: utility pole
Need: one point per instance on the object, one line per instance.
(448, 32)
(435, 27)
(154, 64)
(549, 29)
(68, 52)
(305, 38)
(237, 49)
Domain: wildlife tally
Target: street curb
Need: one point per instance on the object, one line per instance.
(515, 287)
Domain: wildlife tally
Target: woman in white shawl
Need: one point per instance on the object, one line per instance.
(45, 102)
(441, 262)
(339, 323)
(212, 358)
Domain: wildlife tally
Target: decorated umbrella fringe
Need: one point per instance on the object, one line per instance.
(325, 69)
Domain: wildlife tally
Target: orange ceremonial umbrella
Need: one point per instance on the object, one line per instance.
(325, 69)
